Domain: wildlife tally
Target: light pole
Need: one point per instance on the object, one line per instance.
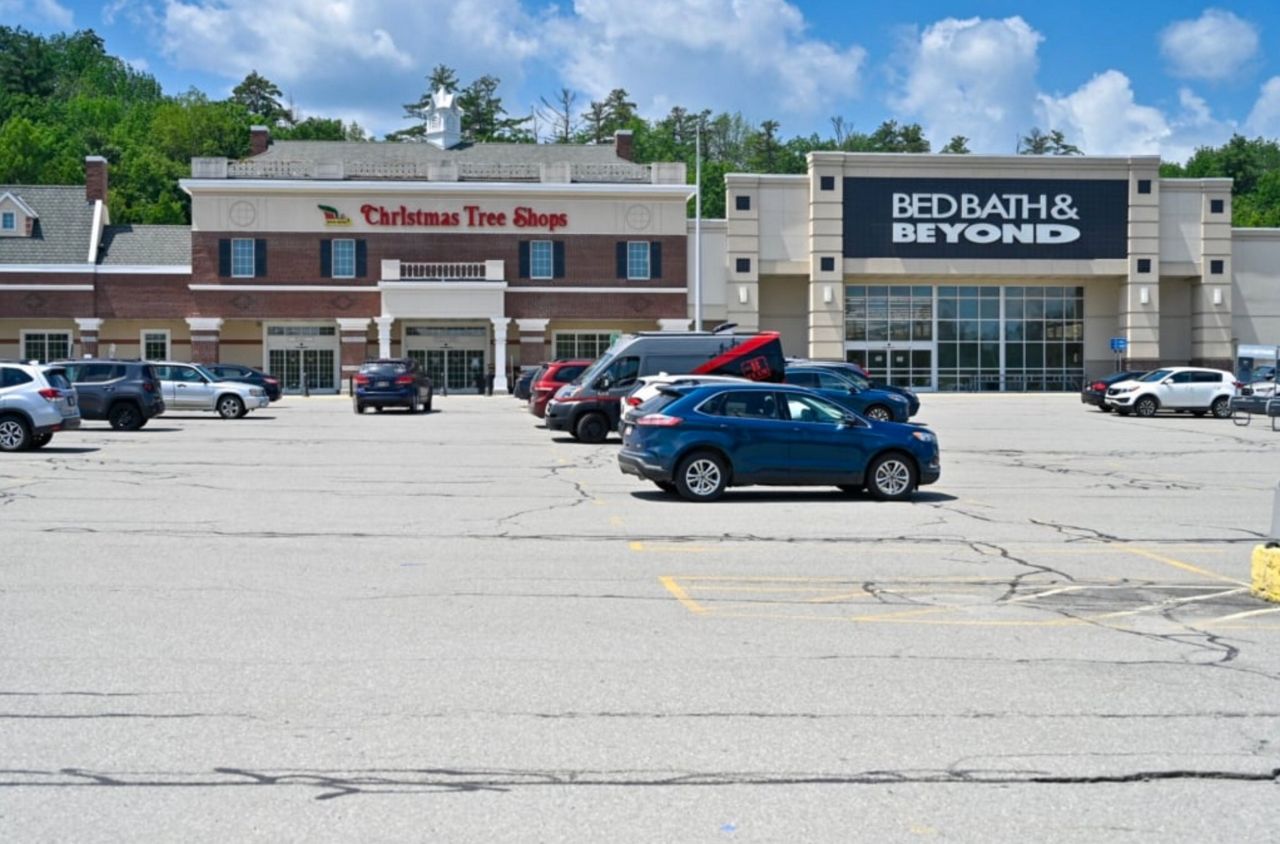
(444, 370)
(697, 227)
(302, 368)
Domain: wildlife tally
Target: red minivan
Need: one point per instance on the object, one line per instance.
(550, 378)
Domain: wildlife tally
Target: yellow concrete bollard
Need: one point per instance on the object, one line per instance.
(1266, 572)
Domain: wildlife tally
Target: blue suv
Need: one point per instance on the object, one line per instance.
(878, 405)
(392, 382)
(697, 441)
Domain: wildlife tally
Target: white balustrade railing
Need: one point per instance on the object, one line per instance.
(442, 271)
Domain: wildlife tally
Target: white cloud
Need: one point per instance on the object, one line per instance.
(1264, 119)
(1102, 117)
(42, 11)
(722, 54)
(1215, 46)
(971, 77)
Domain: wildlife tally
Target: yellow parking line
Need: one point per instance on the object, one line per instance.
(636, 546)
(615, 521)
(1178, 564)
(682, 596)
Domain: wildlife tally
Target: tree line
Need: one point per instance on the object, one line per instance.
(63, 97)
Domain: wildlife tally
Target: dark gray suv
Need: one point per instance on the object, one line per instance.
(125, 393)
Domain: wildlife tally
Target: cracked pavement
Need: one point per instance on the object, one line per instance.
(309, 625)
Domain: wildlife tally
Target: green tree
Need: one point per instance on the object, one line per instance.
(261, 98)
(28, 153)
(485, 120)
(958, 145)
(314, 129)
(1054, 142)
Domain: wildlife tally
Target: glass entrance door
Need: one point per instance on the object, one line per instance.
(906, 366)
(455, 369)
(292, 365)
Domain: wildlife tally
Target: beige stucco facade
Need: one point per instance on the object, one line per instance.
(1170, 277)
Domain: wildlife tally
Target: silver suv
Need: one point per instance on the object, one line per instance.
(35, 402)
(189, 386)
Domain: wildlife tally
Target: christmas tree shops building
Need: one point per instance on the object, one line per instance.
(983, 272)
(311, 256)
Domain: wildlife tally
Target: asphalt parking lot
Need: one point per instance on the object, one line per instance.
(308, 625)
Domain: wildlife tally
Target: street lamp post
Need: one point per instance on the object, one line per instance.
(444, 370)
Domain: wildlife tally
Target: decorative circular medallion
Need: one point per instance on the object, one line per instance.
(639, 217)
(242, 213)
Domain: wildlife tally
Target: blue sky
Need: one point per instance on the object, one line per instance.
(1116, 77)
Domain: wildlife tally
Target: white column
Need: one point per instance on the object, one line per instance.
(499, 354)
(384, 335)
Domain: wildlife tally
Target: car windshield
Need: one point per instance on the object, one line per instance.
(388, 368)
(594, 369)
(1157, 375)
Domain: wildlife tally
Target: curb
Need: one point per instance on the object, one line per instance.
(1266, 572)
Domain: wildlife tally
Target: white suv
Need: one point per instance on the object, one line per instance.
(189, 386)
(35, 402)
(1186, 389)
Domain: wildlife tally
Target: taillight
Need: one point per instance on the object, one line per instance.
(51, 394)
(1238, 384)
(659, 420)
(404, 379)
(362, 380)
(632, 401)
(148, 387)
(271, 380)
(1099, 387)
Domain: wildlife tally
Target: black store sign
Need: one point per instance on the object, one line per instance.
(986, 218)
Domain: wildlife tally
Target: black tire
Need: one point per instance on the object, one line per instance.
(359, 407)
(230, 407)
(1199, 414)
(15, 433)
(591, 428)
(879, 413)
(1123, 411)
(1146, 406)
(41, 440)
(1221, 408)
(702, 476)
(431, 394)
(125, 416)
(1105, 408)
(891, 477)
(667, 487)
(377, 408)
(413, 404)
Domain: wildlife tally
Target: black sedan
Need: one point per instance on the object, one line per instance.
(1095, 390)
(247, 375)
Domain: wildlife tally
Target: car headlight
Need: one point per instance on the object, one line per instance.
(924, 436)
(1120, 390)
(256, 391)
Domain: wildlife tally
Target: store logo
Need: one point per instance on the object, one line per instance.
(963, 217)
(334, 217)
(995, 218)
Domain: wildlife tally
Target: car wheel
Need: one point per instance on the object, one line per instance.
(1146, 406)
(1221, 408)
(592, 428)
(891, 477)
(879, 413)
(125, 417)
(667, 487)
(1105, 408)
(377, 408)
(359, 407)
(15, 435)
(41, 440)
(702, 476)
(413, 404)
(230, 407)
(430, 397)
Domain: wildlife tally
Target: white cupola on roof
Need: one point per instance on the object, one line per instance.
(444, 121)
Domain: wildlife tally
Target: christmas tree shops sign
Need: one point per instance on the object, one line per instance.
(985, 218)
